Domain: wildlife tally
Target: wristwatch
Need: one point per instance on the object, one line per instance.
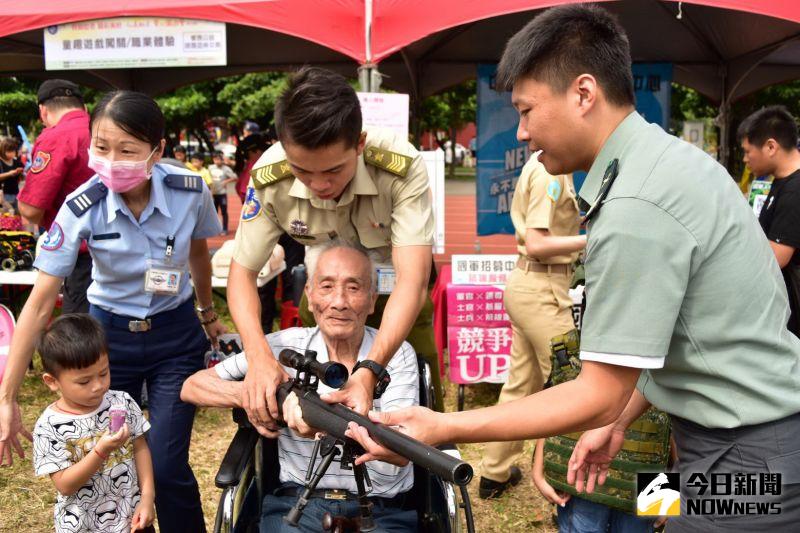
(380, 373)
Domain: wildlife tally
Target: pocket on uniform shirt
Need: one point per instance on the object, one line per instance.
(375, 237)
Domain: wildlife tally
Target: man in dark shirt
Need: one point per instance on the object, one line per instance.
(59, 164)
(769, 140)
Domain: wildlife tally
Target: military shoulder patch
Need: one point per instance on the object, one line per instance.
(251, 207)
(84, 201)
(269, 174)
(184, 182)
(40, 161)
(393, 162)
(554, 190)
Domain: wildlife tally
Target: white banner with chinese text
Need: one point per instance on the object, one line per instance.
(134, 42)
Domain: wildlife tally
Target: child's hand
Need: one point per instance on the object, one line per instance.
(550, 494)
(143, 515)
(109, 443)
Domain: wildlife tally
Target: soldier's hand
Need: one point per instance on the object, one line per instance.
(357, 393)
(419, 423)
(263, 377)
(10, 428)
(592, 456)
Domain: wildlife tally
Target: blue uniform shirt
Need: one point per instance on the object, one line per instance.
(120, 245)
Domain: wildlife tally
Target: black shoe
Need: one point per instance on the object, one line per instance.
(494, 489)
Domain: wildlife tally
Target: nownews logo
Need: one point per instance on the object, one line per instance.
(715, 494)
(659, 494)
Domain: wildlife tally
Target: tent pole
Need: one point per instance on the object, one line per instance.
(369, 79)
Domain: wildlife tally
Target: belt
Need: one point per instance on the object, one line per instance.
(529, 265)
(139, 325)
(340, 494)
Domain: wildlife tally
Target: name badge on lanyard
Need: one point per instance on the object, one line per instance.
(164, 277)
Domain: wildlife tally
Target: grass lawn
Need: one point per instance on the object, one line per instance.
(26, 503)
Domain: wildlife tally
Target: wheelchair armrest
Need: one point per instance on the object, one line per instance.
(239, 453)
(450, 449)
(240, 417)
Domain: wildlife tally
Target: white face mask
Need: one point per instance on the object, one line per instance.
(120, 176)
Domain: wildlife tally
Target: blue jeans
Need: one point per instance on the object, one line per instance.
(387, 519)
(163, 358)
(583, 516)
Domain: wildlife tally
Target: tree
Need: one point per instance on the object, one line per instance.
(445, 113)
(188, 108)
(253, 96)
(17, 105)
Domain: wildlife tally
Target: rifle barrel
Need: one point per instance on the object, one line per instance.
(333, 419)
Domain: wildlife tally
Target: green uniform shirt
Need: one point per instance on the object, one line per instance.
(678, 271)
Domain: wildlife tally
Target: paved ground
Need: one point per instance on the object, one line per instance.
(460, 225)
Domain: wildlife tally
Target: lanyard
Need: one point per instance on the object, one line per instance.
(608, 179)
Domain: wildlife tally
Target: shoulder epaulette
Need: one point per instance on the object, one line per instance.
(269, 174)
(84, 201)
(184, 182)
(397, 164)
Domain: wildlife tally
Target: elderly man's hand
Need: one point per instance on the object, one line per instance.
(293, 415)
(357, 393)
(263, 377)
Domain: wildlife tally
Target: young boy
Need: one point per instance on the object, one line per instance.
(104, 480)
(197, 162)
(221, 176)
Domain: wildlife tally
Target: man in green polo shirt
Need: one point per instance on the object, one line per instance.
(686, 308)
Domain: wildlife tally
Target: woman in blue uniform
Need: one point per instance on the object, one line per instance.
(146, 226)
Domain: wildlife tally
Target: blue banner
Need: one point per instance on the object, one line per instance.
(501, 156)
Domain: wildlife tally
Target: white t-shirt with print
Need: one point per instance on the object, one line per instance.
(107, 501)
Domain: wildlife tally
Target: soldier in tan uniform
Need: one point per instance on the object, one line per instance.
(545, 215)
(327, 179)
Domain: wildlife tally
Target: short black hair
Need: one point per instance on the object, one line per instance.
(318, 108)
(71, 341)
(135, 113)
(216, 153)
(773, 122)
(197, 155)
(179, 148)
(566, 41)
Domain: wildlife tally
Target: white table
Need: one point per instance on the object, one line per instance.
(222, 283)
(22, 277)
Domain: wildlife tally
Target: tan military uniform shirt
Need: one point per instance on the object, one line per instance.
(386, 204)
(542, 201)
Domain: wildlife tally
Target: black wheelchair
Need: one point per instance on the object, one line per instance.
(250, 470)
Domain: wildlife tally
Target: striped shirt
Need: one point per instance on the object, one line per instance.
(294, 452)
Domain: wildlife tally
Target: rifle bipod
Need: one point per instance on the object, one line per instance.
(327, 448)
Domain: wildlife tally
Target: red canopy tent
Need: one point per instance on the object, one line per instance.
(723, 48)
(338, 25)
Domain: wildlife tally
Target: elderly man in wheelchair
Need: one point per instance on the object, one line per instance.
(341, 294)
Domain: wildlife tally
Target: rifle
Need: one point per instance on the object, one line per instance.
(333, 420)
